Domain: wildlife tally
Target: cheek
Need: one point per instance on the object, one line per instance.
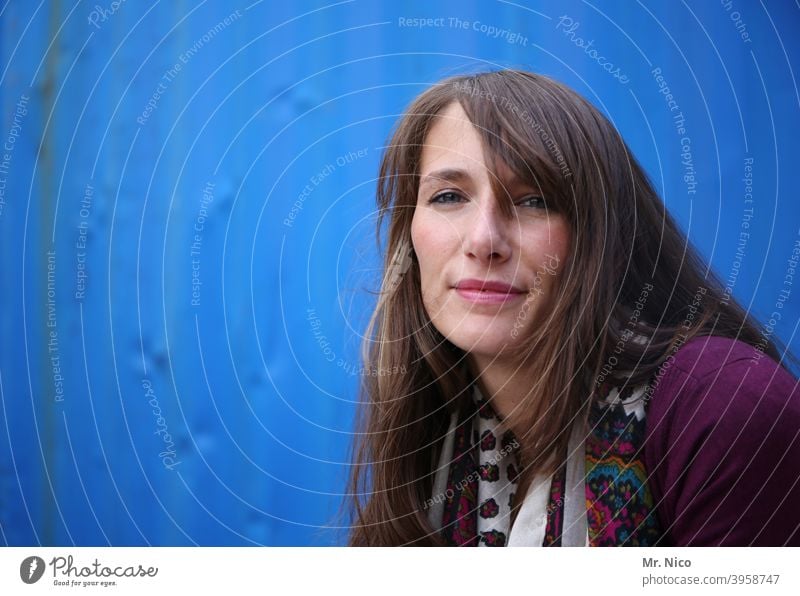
(432, 240)
(548, 251)
(558, 245)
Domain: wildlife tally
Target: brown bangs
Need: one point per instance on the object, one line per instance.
(517, 136)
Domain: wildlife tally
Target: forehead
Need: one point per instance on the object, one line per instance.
(453, 144)
(452, 138)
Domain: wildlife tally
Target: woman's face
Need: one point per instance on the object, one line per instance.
(463, 242)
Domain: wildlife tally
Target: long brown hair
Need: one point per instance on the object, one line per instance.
(630, 268)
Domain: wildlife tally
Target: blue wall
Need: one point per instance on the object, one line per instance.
(186, 229)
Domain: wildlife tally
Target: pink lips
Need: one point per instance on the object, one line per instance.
(487, 292)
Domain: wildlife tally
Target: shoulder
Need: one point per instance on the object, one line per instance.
(721, 385)
(722, 439)
(703, 355)
(718, 362)
(718, 369)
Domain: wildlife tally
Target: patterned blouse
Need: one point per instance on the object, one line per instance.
(482, 477)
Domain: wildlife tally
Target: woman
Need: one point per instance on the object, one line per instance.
(574, 374)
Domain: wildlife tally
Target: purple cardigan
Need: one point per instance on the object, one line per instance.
(722, 447)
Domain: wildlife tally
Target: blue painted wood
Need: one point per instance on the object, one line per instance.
(206, 187)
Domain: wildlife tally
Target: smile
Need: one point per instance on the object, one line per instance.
(488, 296)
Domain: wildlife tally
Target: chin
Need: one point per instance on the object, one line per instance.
(482, 341)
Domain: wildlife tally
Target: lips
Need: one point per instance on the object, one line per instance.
(496, 287)
(487, 292)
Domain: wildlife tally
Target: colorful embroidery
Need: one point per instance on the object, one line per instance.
(555, 509)
(489, 509)
(618, 500)
(459, 520)
(493, 538)
(489, 472)
(481, 480)
(488, 441)
(620, 509)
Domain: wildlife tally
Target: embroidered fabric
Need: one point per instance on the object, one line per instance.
(598, 497)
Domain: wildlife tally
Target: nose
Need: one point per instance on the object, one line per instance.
(487, 235)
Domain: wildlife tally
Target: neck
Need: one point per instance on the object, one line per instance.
(504, 384)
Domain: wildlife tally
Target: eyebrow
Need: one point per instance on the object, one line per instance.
(455, 175)
(445, 174)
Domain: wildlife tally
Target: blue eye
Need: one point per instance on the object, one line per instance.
(533, 201)
(446, 197)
